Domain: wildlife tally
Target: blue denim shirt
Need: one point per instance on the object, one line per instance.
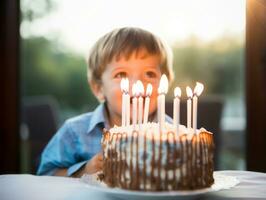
(76, 142)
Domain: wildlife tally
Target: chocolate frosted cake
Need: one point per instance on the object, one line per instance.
(151, 160)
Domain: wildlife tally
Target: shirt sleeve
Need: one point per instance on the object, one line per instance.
(71, 170)
(61, 152)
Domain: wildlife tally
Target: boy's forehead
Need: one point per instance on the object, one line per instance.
(136, 54)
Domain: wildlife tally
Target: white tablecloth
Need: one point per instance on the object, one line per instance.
(14, 187)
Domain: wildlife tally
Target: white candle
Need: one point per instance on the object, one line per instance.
(140, 101)
(195, 112)
(197, 92)
(134, 106)
(127, 100)
(162, 111)
(162, 90)
(176, 109)
(147, 103)
(159, 109)
(189, 95)
(122, 85)
(123, 109)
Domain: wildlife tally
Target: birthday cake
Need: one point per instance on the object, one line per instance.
(147, 159)
(150, 156)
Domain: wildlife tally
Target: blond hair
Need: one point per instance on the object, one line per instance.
(124, 42)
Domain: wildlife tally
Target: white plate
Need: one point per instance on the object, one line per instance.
(220, 182)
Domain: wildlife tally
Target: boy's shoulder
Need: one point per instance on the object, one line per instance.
(87, 121)
(81, 118)
(79, 123)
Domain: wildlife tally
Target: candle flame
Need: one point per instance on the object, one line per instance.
(140, 88)
(177, 92)
(149, 89)
(124, 85)
(163, 87)
(189, 92)
(198, 89)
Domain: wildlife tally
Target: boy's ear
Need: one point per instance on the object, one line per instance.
(97, 90)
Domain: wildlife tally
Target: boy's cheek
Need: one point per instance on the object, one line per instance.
(153, 101)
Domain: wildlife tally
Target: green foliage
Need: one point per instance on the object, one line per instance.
(218, 64)
(48, 72)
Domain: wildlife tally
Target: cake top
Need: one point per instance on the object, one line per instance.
(152, 128)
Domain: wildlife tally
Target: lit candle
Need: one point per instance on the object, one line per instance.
(140, 101)
(162, 90)
(134, 106)
(127, 99)
(147, 103)
(123, 89)
(176, 109)
(197, 92)
(189, 95)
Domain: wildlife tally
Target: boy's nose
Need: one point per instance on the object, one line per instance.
(133, 80)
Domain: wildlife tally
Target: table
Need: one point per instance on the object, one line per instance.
(24, 186)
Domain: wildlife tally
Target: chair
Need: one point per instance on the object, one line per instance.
(40, 117)
(209, 117)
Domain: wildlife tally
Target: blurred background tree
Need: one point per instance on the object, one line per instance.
(49, 71)
(47, 68)
(218, 64)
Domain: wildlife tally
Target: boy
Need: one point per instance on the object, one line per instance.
(126, 52)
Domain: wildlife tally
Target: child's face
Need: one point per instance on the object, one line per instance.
(144, 67)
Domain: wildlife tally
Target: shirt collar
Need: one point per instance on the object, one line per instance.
(98, 118)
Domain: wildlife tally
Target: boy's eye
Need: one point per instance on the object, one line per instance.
(120, 75)
(150, 74)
